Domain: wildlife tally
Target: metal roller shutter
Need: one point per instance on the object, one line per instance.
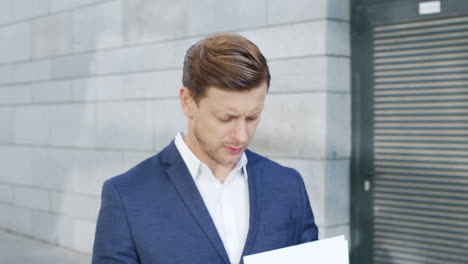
(420, 196)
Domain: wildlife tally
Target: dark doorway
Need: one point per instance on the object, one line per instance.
(410, 132)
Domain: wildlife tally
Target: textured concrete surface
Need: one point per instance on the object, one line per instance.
(89, 88)
(16, 249)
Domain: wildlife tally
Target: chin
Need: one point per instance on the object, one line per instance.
(228, 161)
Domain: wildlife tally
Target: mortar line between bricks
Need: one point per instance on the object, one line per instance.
(49, 243)
(156, 42)
(155, 70)
(77, 148)
(7, 203)
(80, 102)
(309, 92)
(338, 20)
(307, 158)
(335, 225)
(153, 99)
(48, 10)
(267, 11)
(49, 13)
(31, 186)
(74, 217)
(13, 122)
(331, 55)
(311, 56)
(98, 149)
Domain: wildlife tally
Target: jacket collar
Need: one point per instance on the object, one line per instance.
(188, 192)
(185, 186)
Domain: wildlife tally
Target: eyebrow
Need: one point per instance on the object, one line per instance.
(231, 112)
(235, 114)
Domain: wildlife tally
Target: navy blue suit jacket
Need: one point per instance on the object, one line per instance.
(154, 213)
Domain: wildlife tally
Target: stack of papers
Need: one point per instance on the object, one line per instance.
(327, 251)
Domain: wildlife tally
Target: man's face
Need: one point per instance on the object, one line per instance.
(224, 123)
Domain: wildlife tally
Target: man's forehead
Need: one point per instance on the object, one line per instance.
(224, 92)
(221, 100)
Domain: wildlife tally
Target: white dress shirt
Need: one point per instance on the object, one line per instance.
(227, 203)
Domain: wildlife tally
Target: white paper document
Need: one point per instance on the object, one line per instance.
(327, 251)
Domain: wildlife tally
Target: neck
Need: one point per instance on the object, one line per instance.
(220, 171)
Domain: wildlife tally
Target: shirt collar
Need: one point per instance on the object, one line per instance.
(193, 163)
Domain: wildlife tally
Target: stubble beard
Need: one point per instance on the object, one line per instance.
(214, 152)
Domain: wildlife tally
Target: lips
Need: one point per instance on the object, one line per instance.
(231, 150)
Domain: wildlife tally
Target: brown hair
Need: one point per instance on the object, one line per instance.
(225, 61)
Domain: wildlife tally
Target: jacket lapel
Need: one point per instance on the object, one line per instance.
(183, 182)
(255, 178)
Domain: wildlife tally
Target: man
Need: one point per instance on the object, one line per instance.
(206, 198)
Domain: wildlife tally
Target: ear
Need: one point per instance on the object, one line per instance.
(187, 102)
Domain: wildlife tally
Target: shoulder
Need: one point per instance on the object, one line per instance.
(137, 172)
(149, 174)
(275, 172)
(282, 188)
(152, 168)
(258, 160)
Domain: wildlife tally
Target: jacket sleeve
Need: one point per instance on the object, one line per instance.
(113, 241)
(309, 230)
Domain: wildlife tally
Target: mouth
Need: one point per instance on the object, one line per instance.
(231, 150)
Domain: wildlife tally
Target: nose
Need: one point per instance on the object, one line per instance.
(240, 133)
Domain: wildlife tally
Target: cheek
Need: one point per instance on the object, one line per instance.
(213, 130)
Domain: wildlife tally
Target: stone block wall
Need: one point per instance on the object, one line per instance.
(88, 88)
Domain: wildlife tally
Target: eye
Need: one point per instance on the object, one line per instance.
(252, 118)
(224, 119)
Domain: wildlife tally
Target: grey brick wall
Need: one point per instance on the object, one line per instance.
(88, 88)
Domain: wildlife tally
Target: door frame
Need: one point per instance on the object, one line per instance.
(364, 15)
